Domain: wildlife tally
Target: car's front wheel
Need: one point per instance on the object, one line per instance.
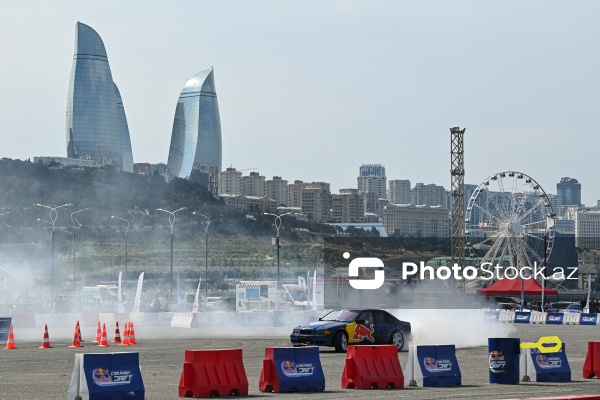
(340, 342)
(398, 340)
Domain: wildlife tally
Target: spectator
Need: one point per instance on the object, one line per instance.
(583, 303)
(593, 307)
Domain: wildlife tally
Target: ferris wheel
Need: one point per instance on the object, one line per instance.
(509, 222)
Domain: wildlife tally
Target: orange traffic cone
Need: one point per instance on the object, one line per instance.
(117, 338)
(131, 334)
(125, 341)
(98, 334)
(46, 340)
(104, 340)
(76, 340)
(10, 343)
(79, 332)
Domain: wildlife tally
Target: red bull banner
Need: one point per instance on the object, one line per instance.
(296, 369)
(545, 367)
(432, 366)
(108, 376)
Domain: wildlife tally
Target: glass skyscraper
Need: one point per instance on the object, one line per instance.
(96, 123)
(195, 151)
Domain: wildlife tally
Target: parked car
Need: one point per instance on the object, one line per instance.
(572, 308)
(340, 328)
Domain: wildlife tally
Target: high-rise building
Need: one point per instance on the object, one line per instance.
(96, 127)
(347, 206)
(399, 191)
(230, 182)
(371, 178)
(294, 193)
(277, 190)
(569, 190)
(196, 151)
(253, 185)
(432, 195)
(416, 220)
(316, 201)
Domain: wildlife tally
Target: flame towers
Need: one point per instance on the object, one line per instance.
(195, 151)
(96, 123)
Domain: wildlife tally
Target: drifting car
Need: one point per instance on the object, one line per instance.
(340, 328)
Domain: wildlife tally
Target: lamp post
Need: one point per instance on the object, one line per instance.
(205, 255)
(74, 220)
(171, 222)
(53, 216)
(277, 226)
(126, 230)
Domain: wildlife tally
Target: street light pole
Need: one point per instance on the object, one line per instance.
(53, 216)
(277, 226)
(171, 222)
(73, 220)
(205, 255)
(126, 230)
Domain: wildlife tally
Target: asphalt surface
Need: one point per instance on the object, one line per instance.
(32, 373)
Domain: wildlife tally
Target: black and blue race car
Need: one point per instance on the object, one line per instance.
(340, 328)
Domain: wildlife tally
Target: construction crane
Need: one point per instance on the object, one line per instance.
(457, 174)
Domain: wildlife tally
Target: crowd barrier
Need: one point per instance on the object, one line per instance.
(536, 366)
(432, 366)
(372, 367)
(213, 373)
(185, 320)
(591, 366)
(109, 376)
(549, 318)
(295, 369)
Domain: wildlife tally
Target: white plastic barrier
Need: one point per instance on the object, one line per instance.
(538, 318)
(571, 318)
(507, 316)
(185, 320)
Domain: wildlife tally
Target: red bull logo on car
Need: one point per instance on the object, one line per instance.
(104, 377)
(361, 333)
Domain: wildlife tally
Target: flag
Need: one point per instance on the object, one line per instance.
(195, 309)
(120, 307)
(138, 294)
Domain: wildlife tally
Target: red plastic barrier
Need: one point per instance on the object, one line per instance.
(372, 367)
(212, 373)
(591, 366)
(573, 397)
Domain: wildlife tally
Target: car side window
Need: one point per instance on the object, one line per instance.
(379, 317)
(367, 316)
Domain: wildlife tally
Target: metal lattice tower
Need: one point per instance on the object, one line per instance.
(457, 173)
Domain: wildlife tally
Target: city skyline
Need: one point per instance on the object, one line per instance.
(352, 83)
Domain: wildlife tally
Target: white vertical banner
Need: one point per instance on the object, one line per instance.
(314, 291)
(138, 294)
(589, 293)
(120, 307)
(195, 308)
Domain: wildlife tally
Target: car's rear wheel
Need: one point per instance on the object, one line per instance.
(398, 340)
(340, 342)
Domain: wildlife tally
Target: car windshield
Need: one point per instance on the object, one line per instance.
(340, 315)
(298, 295)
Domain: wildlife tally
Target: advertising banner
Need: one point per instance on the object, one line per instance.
(4, 326)
(547, 367)
(588, 319)
(555, 318)
(107, 376)
(522, 317)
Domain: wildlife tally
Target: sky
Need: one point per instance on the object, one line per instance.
(311, 90)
